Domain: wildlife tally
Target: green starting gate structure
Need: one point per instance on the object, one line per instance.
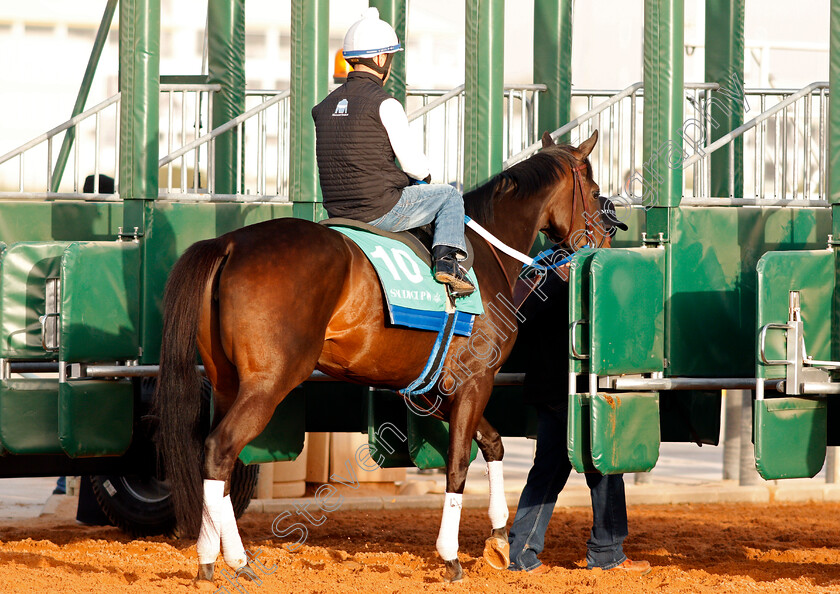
(702, 294)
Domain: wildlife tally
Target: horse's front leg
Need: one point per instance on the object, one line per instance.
(464, 415)
(496, 547)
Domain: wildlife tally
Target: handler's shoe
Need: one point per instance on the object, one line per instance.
(633, 567)
(448, 272)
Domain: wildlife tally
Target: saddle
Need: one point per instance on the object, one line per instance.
(418, 240)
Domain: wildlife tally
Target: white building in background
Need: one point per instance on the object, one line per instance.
(45, 45)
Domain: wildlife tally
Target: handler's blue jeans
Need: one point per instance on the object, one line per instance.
(546, 479)
(423, 203)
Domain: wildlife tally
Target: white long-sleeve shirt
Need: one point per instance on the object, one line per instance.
(412, 160)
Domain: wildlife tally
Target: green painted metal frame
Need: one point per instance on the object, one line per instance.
(725, 59)
(226, 66)
(553, 61)
(484, 91)
(310, 75)
(393, 12)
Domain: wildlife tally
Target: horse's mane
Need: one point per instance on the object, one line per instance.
(527, 177)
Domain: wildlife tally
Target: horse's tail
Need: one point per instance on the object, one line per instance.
(177, 399)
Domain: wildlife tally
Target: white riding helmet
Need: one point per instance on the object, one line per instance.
(370, 36)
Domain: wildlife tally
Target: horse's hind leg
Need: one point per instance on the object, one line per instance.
(496, 547)
(249, 414)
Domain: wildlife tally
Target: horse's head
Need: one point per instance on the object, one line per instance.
(574, 216)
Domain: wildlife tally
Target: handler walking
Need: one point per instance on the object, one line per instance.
(551, 467)
(360, 132)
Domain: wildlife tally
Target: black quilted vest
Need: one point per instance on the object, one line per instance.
(357, 167)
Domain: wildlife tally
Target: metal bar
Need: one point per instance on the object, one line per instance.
(196, 133)
(501, 379)
(169, 132)
(96, 155)
(689, 383)
(427, 107)
(184, 165)
(806, 146)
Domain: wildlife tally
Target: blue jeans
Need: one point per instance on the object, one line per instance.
(423, 203)
(546, 479)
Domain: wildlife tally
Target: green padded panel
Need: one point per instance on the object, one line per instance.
(578, 433)
(29, 416)
(508, 415)
(172, 227)
(100, 301)
(95, 417)
(428, 442)
(627, 329)
(579, 306)
(282, 439)
(690, 416)
(711, 281)
(790, 437)
(812, 274)
(388, 429)
(24, 268)
(624, 432)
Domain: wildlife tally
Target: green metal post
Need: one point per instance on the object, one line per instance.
(484, 82)
(553, 62)
(139, 113)
(84, 90)
(310, 72)
(663, 111)
(834, 162)
(834, 117)
(725, 66)
(226, 66)
(393, 13)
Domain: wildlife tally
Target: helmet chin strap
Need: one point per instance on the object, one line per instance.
(371, 63)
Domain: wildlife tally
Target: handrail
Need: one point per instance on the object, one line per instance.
(437, 102)
(229, 125)
(527, 152)
(214, 87)
(59, 129)
(765, 115)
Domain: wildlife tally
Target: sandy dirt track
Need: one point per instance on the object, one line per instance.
(693, 548)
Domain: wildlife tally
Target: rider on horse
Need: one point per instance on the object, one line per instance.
(361, 130)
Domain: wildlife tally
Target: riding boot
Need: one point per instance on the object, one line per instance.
(449, 272)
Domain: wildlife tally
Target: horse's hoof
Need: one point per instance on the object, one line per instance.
(454, 573)
(204, 579)
(248, 572)
(497, 552)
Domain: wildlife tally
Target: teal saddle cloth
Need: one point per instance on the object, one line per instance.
(413, 297)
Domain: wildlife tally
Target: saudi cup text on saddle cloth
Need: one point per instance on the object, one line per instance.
(407, 280)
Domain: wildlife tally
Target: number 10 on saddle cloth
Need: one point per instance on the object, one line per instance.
(413, 297)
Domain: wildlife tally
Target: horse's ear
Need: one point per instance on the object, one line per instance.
(586, 146)
(547, 140)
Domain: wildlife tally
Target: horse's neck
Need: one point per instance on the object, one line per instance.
(516, 223)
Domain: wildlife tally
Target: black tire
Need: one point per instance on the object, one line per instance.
(141, 506)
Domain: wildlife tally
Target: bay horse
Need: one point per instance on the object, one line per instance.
(269, 303)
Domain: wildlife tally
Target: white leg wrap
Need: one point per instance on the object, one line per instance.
(209, 535)
(232, 547)
(447, 540)
(498, 510)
